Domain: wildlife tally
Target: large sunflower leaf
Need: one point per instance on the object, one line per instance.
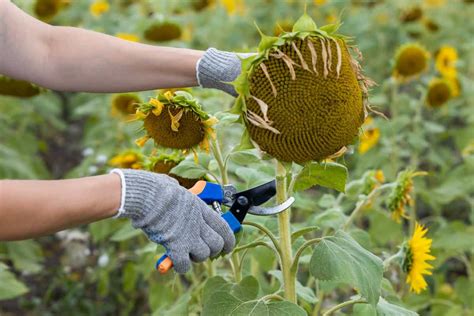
(331, 175)
(341, 258)
(383, 308)
(10, 287)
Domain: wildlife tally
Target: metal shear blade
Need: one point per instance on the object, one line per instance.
(263, 211)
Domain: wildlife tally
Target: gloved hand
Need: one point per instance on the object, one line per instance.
(216, 67)
(173, 217)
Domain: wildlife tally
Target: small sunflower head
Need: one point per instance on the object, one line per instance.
(199, 5)
(416, 253)
(446, 59)
(411, 15)
(125, 104)
(439, 92)
(47, 9)
(370, 136)
(165, 162)
(18, 88)
(163, 32)
(431, 25)
(400, 197)
(176, 120)
(371, 180)
(411, 60)
(129, 159)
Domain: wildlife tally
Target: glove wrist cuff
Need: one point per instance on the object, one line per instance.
(217, 68)
(121, 209)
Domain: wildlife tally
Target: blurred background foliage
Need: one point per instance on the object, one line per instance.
(105, 268)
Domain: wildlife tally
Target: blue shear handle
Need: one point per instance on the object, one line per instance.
(163, 265)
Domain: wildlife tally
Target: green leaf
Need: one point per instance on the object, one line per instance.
(331, 218)
(26, 255)
(331, 175)
(266, 41)
(189, 169)
(330, 28)
(303, 231)
(303, 292)
(455, 236)
(129, 277)
(10, 287)
(223, 298)
(383, 308)
(126, 232)
(305, 24)
(341, 258)
(245, 157)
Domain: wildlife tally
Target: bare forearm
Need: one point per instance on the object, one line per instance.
(73, 59)
(31, 208)
(87, 61)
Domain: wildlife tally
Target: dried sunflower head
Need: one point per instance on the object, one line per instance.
(125, 104)
(163, 32)
(411, 60)
(199, 5)
(176, 120)
(18, 88)
(303, 96)
(439, 92)
(165, 162)
(129, 159)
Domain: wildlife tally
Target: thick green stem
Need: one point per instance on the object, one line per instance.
(235, 262)
(216, 150)
(289, 281)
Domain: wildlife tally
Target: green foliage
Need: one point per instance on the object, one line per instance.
(340, 258)
(10, 287)
(330, 175)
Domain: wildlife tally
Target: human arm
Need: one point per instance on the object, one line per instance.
(74, 59)
(166, 212)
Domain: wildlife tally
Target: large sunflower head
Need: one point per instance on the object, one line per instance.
(125, 104)
(400, 197)
(439, 92)
(446, 59)
(165, 162)
(163, 32)
(411, 60)
(18, 88)
(129, 159)
(176, 120)
(302, 97)
(416, 254)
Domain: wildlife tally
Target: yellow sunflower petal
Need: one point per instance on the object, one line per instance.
(142, 140)
(168, 95)
(157, 106)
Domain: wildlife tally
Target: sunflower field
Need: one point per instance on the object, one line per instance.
(363, 111)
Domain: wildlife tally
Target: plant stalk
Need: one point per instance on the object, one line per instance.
(289, 280)
(216, 150)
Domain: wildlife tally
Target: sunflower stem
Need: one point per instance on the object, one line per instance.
(216, 150)
(235, 264)
(289, 280)
(342, 305)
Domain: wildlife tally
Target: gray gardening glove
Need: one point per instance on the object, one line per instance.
(172, 216)
(216, 67)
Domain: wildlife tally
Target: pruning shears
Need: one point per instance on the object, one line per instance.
(239, 203)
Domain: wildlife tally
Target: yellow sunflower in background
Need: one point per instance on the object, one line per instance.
(411, 15)
(129, 159)
(99, 7)
(411, 60)
(370, 136)
(400, 196)
(163, 32)
(125, 104)
(128, 37)
(233, 6)
(446, 59)
(176, 120)
(417, 253)
(18, 88)
(47, 9)
(439, 92)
